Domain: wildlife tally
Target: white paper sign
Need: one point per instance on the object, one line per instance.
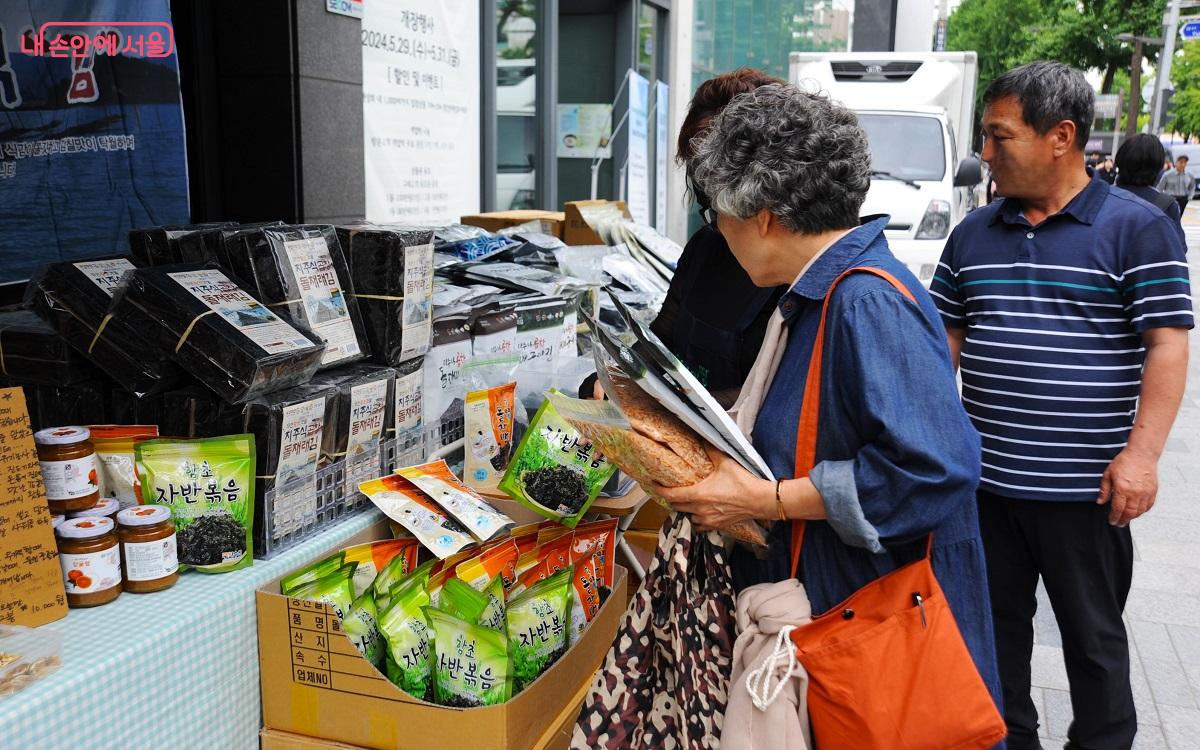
(661, 115)
(421, 110)
(639, 148)
(584, 131)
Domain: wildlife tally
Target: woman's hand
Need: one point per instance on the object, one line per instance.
(728, 495)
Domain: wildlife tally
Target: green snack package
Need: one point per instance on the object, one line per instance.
(209, 486)
(306, 575)
(471, 664)
(336, 590)
(461, 600)
(493, 613)
(361, 626)
(556, 472)
(539, 626)
(385, 591)
(408, 636)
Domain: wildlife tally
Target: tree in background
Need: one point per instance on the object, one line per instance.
(1185, 77)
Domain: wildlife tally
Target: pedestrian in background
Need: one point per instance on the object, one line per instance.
(1067, 306)
(1178, 183)
(1107, 170)
(1138, 163)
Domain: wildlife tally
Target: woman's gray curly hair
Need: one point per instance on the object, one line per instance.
(798, 155)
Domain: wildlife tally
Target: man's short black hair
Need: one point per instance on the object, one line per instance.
(1181, 157)
(1140, 160)
(1049, 92)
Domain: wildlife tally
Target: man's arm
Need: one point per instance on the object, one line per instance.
(955, 338)
(1130, 483)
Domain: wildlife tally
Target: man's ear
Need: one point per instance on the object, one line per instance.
(1063, 136)
(763, 222)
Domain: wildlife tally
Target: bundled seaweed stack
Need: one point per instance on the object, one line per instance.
(288, 428)
(406, 424)
(197, 412)
(179, 243)
(31, 351)
(362, 409)
(130, 409)
(391, 268)
(299, 272)
(217, 331)
(79, 403)
(75, 299)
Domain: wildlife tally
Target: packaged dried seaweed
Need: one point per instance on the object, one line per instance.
(75, 298)
(54, 406)
(197, 412)
(179, 243)
(471, 663)
(242, 351)
(460, 501)
(209, 486)
(405, 503)
(556, 471)
(391, 268)
(408, 637)
(126, 408)
(358, 421)
(494, 330)
(407, 423)
(540, 328)
(492, 414)
(32, 351)
(444, 389)
(538, 632)
(288, 427)
(299, 272)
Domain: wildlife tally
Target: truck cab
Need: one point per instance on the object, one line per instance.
(917, 110)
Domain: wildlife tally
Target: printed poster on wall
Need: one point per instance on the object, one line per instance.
(662, 100)
(91, 129)
(421, 109)
(584, 131)
(639, 148)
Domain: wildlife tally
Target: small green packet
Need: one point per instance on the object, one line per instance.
(493, 613)
(361, 626)
(418, 577)
(314, 572)
(336, 590)
(539, 626)
(556, 472)
(461, 600)
(408, 639)
(471, 665)
(209, 486)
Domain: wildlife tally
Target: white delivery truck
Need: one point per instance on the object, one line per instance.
(917, 109)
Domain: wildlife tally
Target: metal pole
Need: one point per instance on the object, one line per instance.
(1116, 125)
(1135, 91)
(1170, 32)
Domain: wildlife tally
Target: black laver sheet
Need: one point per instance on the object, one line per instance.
(216, 331)
(31, 351)
(74, 298)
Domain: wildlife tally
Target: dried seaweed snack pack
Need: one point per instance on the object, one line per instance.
(460, 599)
(388, 583)
(493, 615)
(584, 540)
(218, 332)
(444, 389)
(391, 268)
(334, 589)
(31, 351)
(538, 627)
(464, 504)
(499, 561)
(301, 273)
(556, 472)
(209, 486)
(361, 626)
(374, 557)
(471, 664)
(489, 423)
(75, 298)
(586, 576)
(494, 330)
(403, 502)
(408, 637)
(299, 578)
(116, 462)
(540, 328)
(357, 425)
(288, 427)
(396, 568)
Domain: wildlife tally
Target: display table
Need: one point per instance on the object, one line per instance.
(174, 669)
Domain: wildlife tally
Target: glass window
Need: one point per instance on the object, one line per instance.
(516, 103)
(648, 42)
(907, 147)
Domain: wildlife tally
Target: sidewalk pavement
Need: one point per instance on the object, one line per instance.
(1163, 613)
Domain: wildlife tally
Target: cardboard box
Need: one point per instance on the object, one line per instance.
(272, 739)
(497, 220)
(315, 683)
(580, 218)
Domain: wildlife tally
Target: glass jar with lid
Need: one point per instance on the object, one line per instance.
(67, 459)
(107, 508)
(91, 561)
(148, 548)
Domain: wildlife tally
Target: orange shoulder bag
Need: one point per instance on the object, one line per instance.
(888, 668)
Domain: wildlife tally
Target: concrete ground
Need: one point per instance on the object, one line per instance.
(1163, 614)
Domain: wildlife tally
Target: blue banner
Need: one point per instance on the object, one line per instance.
(91, 129)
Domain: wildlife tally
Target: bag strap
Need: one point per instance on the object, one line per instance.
(806, 435)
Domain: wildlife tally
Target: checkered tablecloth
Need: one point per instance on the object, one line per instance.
(174, 669)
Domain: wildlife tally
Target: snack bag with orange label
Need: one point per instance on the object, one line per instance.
(491, 416)
(478, 516)
(373, 558)
(604, 532)
(404, 502)
(500, 560)
(117, 474)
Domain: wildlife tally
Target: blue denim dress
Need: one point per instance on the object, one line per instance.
(897, 457)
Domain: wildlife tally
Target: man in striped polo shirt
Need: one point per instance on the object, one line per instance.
(1067, 306)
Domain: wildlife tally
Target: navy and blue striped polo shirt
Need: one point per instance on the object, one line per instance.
(1052, 361)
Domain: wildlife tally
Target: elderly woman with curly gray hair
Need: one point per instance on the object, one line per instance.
(897, 459)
